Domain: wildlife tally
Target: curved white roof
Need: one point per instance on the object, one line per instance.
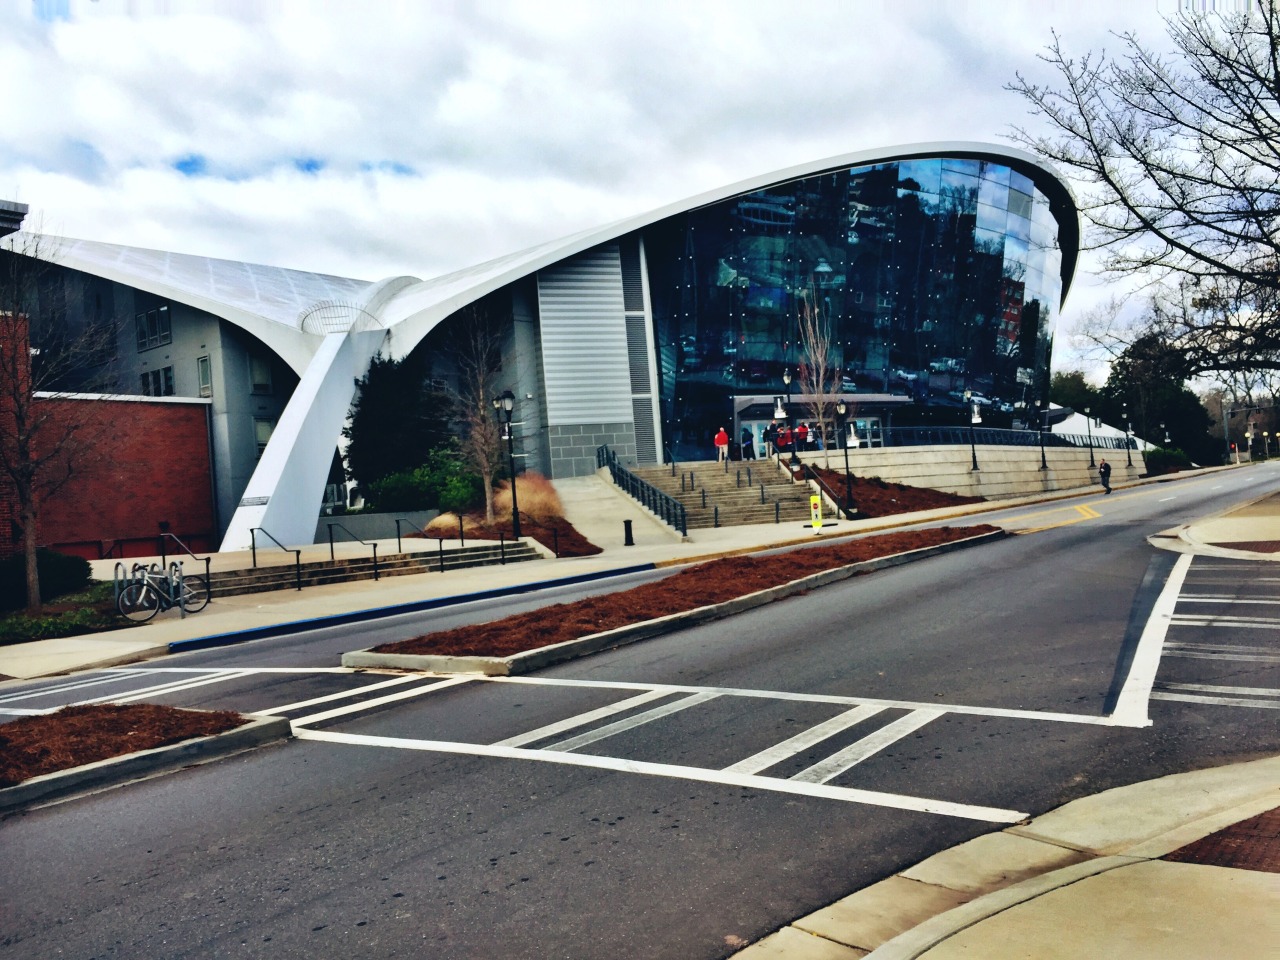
(291, 310)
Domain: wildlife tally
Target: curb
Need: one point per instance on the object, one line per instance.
(133, 766)
(908, 914)
(375, 613)
(531, 660)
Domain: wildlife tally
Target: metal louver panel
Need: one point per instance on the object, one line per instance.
(638, 356)
(584, 340)
(646, 438)
(632, 283)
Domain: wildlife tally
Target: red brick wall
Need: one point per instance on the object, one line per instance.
(135, 464)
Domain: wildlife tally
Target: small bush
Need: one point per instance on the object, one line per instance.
(461, 492)
(59, 574)
(402, 491)
(1160, 460)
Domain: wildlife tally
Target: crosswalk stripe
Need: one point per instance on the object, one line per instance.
(855, 753)
(379, 701)
(340, 695)
(630, 723)
(804, 740)
(561, 726)
(1221, 701)
(1210, 688)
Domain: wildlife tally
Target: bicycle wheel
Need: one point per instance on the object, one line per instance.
(195, 594)
(139, 602)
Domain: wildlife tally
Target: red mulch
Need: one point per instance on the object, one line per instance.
(873, 497)
(554, 533)
(74, 736)
(713, 582)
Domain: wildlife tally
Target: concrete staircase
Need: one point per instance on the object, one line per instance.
(753, 491)
(226, 583)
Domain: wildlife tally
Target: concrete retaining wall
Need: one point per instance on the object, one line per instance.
(372, 526)
(1002, 471)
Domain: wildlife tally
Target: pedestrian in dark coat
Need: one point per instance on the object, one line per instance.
(1104, 474)
(748, 444)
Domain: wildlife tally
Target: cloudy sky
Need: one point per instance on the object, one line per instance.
(374, 138)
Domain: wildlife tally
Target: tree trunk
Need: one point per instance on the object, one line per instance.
(488, 496)
(27, 513)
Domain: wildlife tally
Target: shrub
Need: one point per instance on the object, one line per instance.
(461, 492)
(59, 574)
(537, 496)
(402, 491)
(1160, 460)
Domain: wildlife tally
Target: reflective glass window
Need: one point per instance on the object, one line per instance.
(922, 175)
(995, 194)
(991, 218)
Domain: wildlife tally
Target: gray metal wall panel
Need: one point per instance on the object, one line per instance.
(584, 340)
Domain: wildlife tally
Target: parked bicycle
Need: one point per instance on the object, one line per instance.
(152, 589)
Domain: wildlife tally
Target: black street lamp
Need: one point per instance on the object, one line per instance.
(1166, 435)
(841, 409)
(1041, 415)
(1128, 430)
(1088, 425)
(791, 426)
(973, 418)
(503, 406)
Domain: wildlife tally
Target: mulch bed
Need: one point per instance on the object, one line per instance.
(74, 736)
(554, 533)
(873, 497)
(713, 582)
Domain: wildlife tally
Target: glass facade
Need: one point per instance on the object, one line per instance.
(934, 276)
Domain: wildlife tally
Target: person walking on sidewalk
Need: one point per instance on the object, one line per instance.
(1104, 474)
(722, 445)
(748, 444)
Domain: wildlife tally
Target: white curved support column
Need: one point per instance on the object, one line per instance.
(286, 490)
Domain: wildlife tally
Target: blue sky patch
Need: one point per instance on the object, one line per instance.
(48, 11)
(192, 165)
(388, 166)
(308, 164)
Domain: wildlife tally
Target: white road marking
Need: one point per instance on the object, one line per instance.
(72, 685)
(340, 695)
(747, 781)
(630, 723)
(1219, 647)
(27, 712)
(1210, 688)
(1227, 600)
(591, 716)
(1244, 623)
(804, 740)
(1239, 657)
(840, 761)
(1131, 705)
(1166, 499)
(379, 701)
(1222, 701)
(825, 698)
(163, 689)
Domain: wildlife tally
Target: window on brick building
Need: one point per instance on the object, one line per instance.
(157, 383)
(204, 374)
(153, 328)
(262, 430)
(259, 373)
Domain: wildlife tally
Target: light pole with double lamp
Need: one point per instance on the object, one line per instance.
(503, 406)
(1128, 431)
(974, 417)
(791, 427)
(841, 409)
(1088, 425)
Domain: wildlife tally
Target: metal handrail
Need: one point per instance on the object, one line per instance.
(367, 543)
(400, 520)
(994, 437)
(669, 509)
(164, 558)
(812, 474)
(297, 554)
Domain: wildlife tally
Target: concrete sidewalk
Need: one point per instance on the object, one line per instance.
(1145, 871)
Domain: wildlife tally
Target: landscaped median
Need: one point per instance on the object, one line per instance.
(698, 594)
(91, 746)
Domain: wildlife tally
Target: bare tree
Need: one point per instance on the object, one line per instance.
(476, 349)
(1181, 153)
(818, 374)
(41, 441)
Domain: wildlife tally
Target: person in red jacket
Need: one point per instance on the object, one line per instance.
(722, 445)
(802, 437)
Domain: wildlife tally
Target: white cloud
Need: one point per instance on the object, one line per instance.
(442, 134)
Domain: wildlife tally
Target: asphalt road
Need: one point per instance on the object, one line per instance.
(676, 798)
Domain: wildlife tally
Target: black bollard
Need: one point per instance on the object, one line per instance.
(627, 539)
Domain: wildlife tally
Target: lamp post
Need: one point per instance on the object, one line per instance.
(841, 409)
(1128, 429)
(1266, 444)
(1088, 425)
(1040, 418)
(503, 406)
(786, 379)
(973, 418)
(1166, 434)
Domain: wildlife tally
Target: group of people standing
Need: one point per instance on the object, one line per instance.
(777, 439)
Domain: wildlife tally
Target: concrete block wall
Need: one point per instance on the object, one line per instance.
(1002, 472)
(573, 446)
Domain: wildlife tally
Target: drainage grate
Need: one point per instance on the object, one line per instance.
(1252, 844)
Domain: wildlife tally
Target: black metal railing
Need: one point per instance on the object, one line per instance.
(838, 499)
(670, 510)
(164, 538)
(367, 543)
(400, 520)
(297, 554)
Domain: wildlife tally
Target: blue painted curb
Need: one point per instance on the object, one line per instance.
(375, 613)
